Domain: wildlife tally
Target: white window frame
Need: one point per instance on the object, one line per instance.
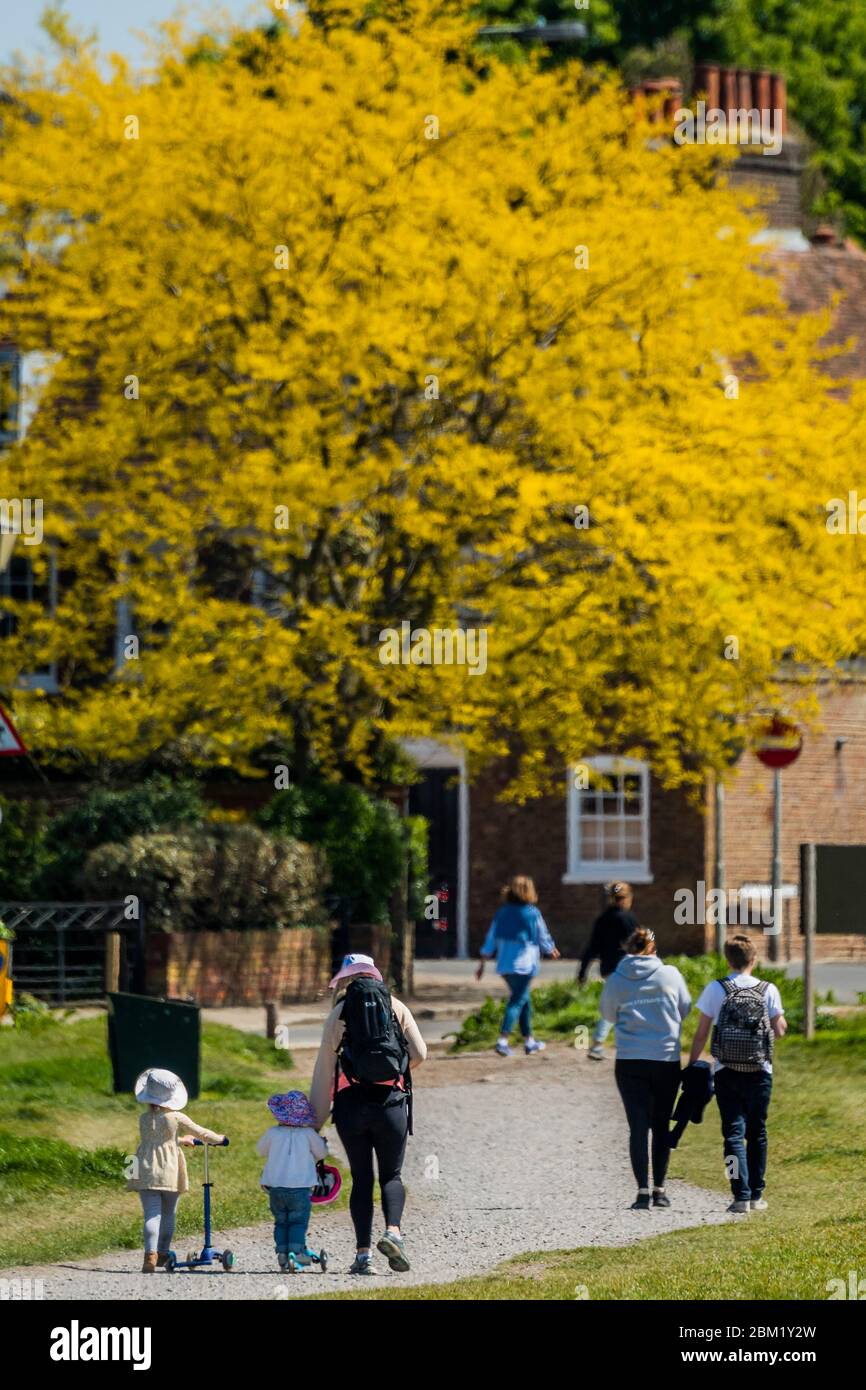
(602, 871)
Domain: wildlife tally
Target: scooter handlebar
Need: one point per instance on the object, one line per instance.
(199, 1144)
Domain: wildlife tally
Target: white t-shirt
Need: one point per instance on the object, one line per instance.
(713, 997)
(291, 1152)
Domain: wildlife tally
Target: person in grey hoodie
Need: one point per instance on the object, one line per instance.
(646, 1001)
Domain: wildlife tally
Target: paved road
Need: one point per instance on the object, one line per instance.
(491, 1134)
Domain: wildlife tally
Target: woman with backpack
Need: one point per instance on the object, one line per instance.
(518, 938)
(745, 1015)
(646, 1001)
(370, 1044)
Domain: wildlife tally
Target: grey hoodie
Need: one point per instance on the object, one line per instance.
(647, 1000)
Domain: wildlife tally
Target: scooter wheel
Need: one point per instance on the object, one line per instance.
(170, 1262)
(228, 1260)
(323, 1260)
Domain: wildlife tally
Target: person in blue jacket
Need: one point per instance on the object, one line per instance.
(518, 938)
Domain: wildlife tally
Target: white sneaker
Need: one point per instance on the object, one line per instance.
(758, 1204)
(596, 1052)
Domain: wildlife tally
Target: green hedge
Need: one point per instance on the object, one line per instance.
(362, 839)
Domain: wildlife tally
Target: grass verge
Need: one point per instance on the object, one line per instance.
(65, 1139)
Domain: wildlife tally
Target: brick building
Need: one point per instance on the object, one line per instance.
(574, 842)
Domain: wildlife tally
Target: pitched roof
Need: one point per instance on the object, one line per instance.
(812, 279)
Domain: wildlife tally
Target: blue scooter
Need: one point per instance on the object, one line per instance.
(208, 1256)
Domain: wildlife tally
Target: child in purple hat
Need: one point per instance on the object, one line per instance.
(291, 1149)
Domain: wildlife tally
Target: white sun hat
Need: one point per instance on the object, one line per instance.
(355, 964)
(156, 1086)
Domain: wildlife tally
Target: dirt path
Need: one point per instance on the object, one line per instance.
(492, 1139)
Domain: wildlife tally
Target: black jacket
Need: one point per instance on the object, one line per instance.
(610, 932)
(697, 1089)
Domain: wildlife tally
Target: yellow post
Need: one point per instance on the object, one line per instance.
(5, 977)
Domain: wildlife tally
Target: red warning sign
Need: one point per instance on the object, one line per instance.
(11, 745)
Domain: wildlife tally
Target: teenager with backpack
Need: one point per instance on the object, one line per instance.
(370, 1044)
(518, 938)
(745, 1015)
(646, 1001)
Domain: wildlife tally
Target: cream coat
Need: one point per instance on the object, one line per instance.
(161, 1164)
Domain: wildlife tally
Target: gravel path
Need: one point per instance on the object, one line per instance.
(491, 1137)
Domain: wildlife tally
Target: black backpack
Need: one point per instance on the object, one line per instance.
(373, 1049)
(743, 1035)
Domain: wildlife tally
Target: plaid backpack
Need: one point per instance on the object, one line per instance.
(742, 1036)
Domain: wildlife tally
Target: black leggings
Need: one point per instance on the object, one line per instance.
(648, 1091)
(366, 1127)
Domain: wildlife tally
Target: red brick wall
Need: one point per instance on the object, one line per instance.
(230, 967)
(532, 839)
(824, 800)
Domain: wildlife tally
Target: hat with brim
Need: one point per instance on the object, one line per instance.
(355, 965)
(292, 1108)
(159, 1087)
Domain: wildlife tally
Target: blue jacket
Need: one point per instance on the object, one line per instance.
(518, 936)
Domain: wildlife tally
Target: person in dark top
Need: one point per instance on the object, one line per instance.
(610, 932)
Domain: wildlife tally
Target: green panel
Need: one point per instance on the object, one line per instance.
(840, 871)
(146, 1033)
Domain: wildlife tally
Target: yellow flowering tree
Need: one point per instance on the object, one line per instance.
(344, 326)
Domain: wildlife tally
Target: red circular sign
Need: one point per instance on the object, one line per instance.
(781, 743)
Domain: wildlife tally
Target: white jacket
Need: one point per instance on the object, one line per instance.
(291, 1152)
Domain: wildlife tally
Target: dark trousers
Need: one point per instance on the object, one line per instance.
(744, 1099)
(648, 1091)
(366, 1128)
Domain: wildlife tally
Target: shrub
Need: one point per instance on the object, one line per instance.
(247, 878)
(24, 854)
(226, 877)
(561, 1006)
(159, 869)
(111, 817)
(361, 837)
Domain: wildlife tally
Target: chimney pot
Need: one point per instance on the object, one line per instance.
(729, 91)
(707, 82)
(670, 88)
(824, 235)
(779, 97)
(761, 84)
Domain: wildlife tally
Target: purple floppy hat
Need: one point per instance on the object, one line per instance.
(292, 1108)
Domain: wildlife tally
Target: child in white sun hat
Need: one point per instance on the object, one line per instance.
(159, 1176)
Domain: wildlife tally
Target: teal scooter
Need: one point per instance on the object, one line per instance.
(208, 1255)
